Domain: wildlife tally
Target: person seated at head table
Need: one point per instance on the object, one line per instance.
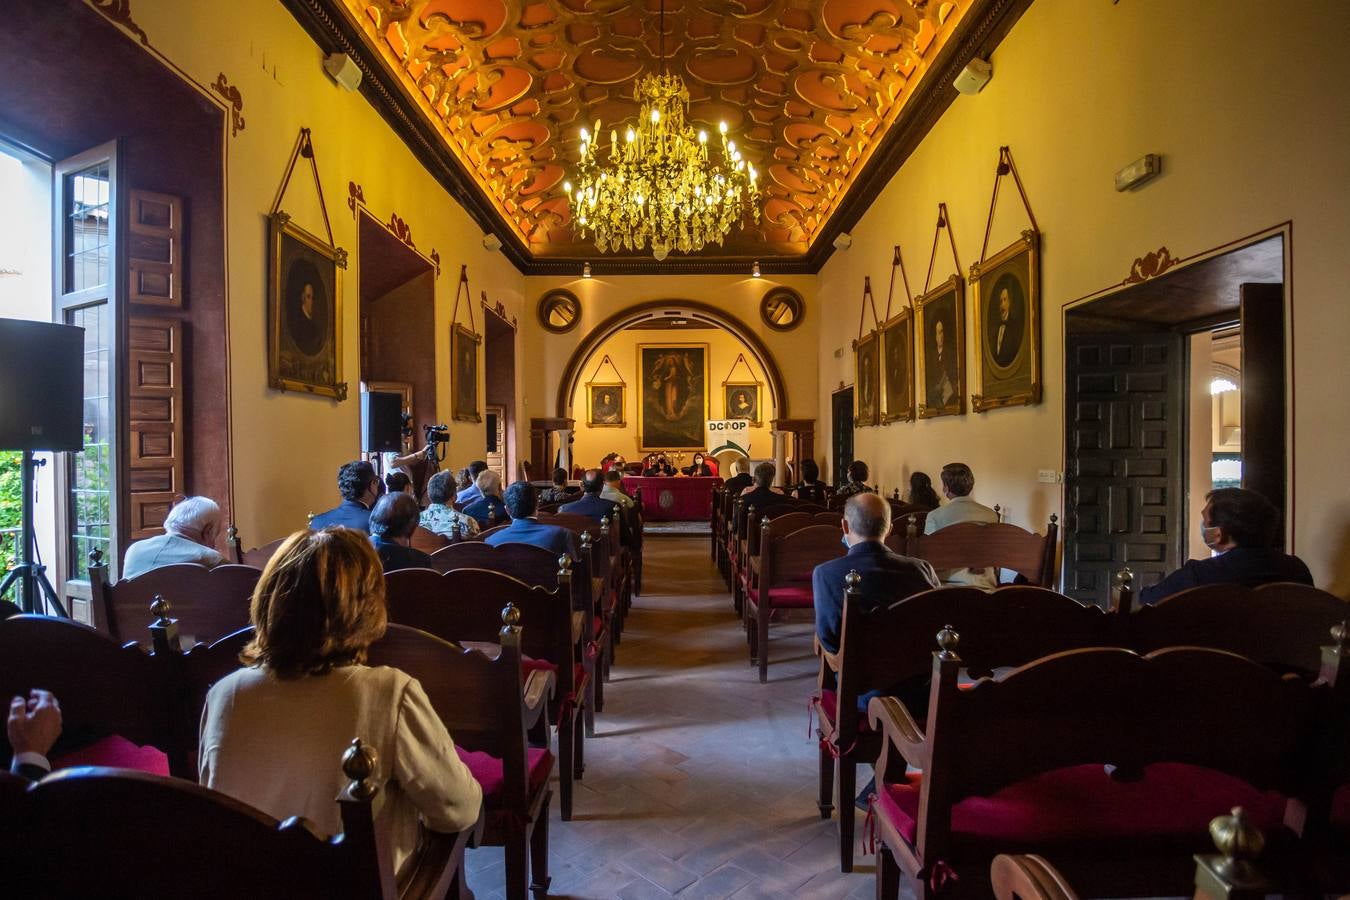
(392, 523)
(810, 488)
(590, 505)
(660, 467)
(559, 493)
(33, 726)
(856, 483)
(473, 492)
(762, 493)
(921, 492)
(698, 467)
(522, 503)
(957, 483)
(360, 487)
(190, 532)
(306, 692)
(489, 503)
(440, 516)
(1242, 528)
(740, 478)
(613, 489)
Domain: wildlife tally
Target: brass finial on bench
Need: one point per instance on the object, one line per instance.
(947, 640)
(164, 630)
(159, 608)
(511, 616)
(358, 764)
(1231, 875)
(1125, 577)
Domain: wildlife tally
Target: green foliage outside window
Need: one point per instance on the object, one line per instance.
(11, 499)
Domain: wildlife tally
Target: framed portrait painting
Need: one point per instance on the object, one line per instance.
(741, 400)
(672, 396)
(867, 379)
(605, 405)
(1008, 326)
(464, 373)
(304, 311)
(897, 370)
(940, 340)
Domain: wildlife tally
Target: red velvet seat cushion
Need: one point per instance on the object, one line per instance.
(118, 752)
(487, 769)
(829, 704)
(528, 665)
(1172, 803)
(597, 626)
(796, 596)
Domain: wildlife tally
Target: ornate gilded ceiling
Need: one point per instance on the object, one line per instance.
(808, 89)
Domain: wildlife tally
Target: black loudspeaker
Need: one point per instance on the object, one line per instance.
(381, 422)
(41, 386)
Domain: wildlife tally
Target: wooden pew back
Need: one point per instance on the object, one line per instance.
(208, 603)
(998, 545)
(790, 559)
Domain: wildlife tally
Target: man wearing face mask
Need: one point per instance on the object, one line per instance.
(1241, 527)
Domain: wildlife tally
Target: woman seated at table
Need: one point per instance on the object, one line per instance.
(273, 733)
(700, 467)
(659, 466)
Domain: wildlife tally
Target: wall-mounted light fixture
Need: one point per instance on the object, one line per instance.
(343, 69)
(754, 270)
(1143, 169)
(843, 240)
(586, 271)
(491, 242)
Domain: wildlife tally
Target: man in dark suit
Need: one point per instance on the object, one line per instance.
(739, 480)
(1242, 527)
(1005, 329)
(763, 496)
(360, 487)
(522, 499)
(33, 726)
(392, 524)
(591, 503)
(886, 575)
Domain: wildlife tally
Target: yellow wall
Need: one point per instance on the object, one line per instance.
(287, 447)
(593, 443)
(1247, 107)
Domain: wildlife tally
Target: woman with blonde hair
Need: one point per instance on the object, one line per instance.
(272, 733)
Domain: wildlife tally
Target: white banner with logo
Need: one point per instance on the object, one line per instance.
(729, 435)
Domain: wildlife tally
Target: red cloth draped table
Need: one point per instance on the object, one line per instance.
(676, 499)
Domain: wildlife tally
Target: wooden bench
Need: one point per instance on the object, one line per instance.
(784, 583)
(209, 603)
(257, 557)
(975, 545)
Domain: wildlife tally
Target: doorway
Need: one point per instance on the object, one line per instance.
(841, 433)
(499, 373)
(1149, 431)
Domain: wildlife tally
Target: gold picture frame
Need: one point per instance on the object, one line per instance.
(672, 396)
(606, 414)
(304, 300)
(1007, 326)
(464, 374)
(743, 400)
(897, 367)
(941, 362)
(867, 380)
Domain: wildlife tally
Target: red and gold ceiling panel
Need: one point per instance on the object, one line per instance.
(808, 90)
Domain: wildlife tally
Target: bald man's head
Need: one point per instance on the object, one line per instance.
(867, 517)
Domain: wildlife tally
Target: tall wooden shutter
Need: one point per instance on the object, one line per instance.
(155, 359)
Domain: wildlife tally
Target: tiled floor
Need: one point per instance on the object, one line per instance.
(700, 781)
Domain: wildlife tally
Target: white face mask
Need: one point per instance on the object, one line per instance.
(1210, 535)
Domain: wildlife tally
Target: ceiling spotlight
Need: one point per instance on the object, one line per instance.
(586, 271)
(754, 270)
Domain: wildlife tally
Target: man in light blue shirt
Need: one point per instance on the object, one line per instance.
(472, 493)
(190, 532)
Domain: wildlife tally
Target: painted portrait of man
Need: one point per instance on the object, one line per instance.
(940, 352)
(1005, 321)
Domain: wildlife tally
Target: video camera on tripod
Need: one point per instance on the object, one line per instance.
(438, 441)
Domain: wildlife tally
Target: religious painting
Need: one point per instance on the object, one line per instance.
(673, 399)
(304, 311)
(464, 373)
(867, 392)
(897, 375)
(605, 405)
(940, 340)
(1007, 326)
(741, 400)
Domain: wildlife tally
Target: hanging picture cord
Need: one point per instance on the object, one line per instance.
(1006, 166)
(944, 221)
(610, 363)
(304, 146)
(462, 289)
(897, 262)
(862, 313)
(740, 361)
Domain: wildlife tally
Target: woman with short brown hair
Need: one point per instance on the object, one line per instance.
(271, 732)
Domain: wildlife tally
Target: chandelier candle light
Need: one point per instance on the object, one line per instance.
(660, 186)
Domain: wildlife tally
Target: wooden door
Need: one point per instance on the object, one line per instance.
(1263, 392)
(495, 435)
(841, 433)
(1124, 405)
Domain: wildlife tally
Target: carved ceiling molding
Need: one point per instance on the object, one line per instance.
(234, 102)
(355, 195)
(119, 13)
(827, 101)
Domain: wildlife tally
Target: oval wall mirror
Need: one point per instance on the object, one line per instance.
(559, 311)
(782, 309)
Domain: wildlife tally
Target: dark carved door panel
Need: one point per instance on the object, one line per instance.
(1125, 440)
(841, 432)
(1263, 388)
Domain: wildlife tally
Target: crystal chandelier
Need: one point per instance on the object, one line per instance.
(660, 186)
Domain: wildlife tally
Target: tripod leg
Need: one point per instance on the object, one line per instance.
(49, 593)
